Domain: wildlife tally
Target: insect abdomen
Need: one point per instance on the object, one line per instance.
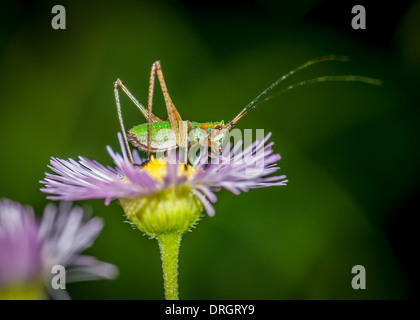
(163, 138)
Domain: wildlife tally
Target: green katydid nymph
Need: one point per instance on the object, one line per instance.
(157, 135)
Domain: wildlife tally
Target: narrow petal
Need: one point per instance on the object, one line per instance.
(206, 203)
(238, 171)
(65, 234)
(87, 179)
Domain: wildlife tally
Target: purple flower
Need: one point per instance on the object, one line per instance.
(30, 248)
(233, 170)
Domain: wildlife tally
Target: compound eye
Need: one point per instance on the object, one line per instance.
(218, 127)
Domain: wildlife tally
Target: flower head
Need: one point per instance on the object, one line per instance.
(164, 197)
(30, 248)
(232, 170)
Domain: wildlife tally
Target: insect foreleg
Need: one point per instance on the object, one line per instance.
(120, 118)
(142, 109)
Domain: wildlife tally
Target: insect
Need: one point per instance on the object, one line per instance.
(158, 135)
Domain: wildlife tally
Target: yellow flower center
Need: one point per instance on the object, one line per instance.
(157, 169)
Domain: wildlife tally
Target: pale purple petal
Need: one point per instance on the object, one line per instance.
(86, 268)
(19, 246)
(88, 179)
(29, 249)
(239, 171)
(206, 203)
(66, 234)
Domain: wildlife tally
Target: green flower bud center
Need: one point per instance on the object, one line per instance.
(173, 210)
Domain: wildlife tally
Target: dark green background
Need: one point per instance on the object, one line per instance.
(350, 150)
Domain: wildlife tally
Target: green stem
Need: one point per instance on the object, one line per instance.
(169, 244)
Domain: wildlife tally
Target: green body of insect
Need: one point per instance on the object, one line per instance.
(163, 136)
(158, 135)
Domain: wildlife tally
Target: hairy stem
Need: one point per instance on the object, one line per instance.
(169, 244)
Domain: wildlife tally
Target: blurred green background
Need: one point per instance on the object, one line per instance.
(350, 150)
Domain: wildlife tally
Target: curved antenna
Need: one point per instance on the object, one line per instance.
(310, 81)
(288, 74)
(253, 104)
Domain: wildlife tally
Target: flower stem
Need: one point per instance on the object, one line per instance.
(169, 244)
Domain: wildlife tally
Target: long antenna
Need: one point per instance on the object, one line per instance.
(254, 103)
